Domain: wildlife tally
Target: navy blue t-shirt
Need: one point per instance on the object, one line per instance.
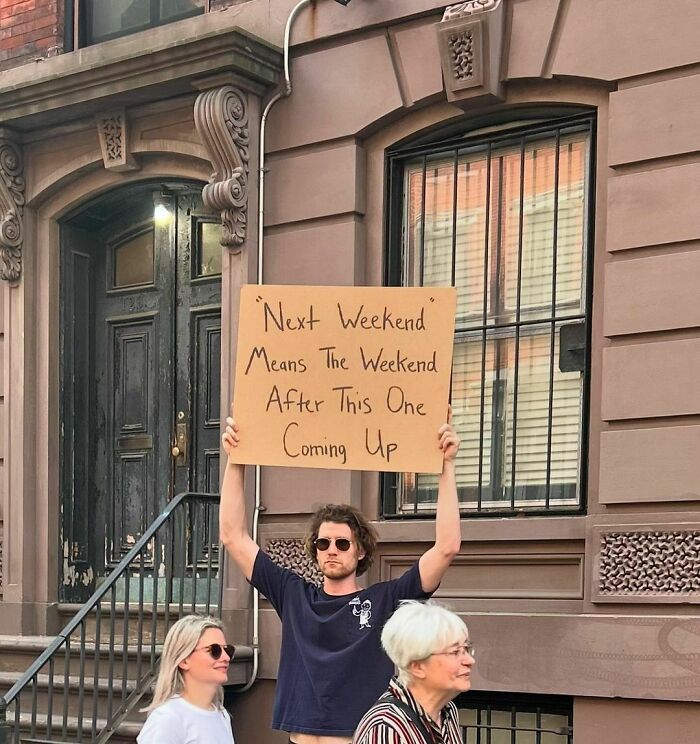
(332, 666)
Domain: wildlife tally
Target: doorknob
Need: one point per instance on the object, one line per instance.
(180, 441)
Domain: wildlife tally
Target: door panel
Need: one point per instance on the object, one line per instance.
(134, 467)
(141, 349)
(207, 397)
(77, 415)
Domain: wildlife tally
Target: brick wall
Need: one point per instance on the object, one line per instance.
(29, 30)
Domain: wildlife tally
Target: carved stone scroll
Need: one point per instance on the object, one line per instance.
(462, 10)
(470, 37)
(221, 118)
(114, 141)
(11, 209)
(290, 553)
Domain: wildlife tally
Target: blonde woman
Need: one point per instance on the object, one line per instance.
(187, 705)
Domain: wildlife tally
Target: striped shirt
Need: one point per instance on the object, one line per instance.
(385, 723)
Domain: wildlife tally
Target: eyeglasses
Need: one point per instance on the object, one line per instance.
(216, 649)
(323, 543)
(466, 650)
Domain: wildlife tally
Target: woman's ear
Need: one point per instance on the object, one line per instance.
(417, 669)
(184, 665)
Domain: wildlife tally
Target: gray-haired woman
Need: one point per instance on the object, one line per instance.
(431, 650)
(187, 705)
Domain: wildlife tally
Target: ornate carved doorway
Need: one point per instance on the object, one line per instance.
(140, 369)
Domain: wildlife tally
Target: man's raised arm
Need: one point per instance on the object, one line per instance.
(233, 527)
(434, 562)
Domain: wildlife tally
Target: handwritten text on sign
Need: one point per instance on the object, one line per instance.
(343, 377)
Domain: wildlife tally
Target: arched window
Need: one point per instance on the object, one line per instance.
(503, 213)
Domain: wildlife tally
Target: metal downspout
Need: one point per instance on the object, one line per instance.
(283, 93)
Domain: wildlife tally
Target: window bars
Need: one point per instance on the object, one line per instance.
(505, 218)
(515, 719)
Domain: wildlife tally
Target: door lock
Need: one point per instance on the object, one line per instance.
(180, 441)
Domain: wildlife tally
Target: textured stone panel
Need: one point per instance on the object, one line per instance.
(322, 254)
(653, 207)
(650, 465)
(302, 490)
(530, 32)
(649, 380)
(624, 655)
(601, 721)
(670, 110)
(418, 60)
(519, 575)
(613, 39)
(337, 93)
(658, 563)
(289, 553)
(314, 184)
(652, 294)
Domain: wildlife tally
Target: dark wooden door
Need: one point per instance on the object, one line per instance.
(141, 374)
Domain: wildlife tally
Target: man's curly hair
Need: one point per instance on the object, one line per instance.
(363, 532)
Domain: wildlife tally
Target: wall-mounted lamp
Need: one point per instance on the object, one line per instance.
(161, 208)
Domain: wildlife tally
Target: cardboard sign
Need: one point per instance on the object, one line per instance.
(343, 377)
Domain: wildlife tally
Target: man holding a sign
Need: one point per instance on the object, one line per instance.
(340, 377)
(332, 667)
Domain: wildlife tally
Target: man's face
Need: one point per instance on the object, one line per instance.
(333, 562)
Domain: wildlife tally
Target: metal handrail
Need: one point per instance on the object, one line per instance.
(30, 676)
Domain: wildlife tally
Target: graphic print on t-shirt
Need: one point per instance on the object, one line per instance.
(363, 610)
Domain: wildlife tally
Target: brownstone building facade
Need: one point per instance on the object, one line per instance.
(539, 155)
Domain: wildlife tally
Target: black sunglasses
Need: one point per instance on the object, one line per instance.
(323, 543)
(216, 649)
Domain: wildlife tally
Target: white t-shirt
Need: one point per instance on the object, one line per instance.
(180, 722)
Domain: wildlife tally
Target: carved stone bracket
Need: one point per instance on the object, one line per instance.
(470, 37)
(11, 208)
(112, 129)
(221, 118)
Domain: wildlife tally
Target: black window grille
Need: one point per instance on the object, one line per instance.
(101, 20)
(506, 218)
(497, 718)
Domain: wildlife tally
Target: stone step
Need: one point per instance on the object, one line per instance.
(95, 696)
(132, 624)
(18, 652)
(36, 732)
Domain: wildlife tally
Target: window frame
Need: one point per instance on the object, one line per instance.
(78, 16)
(500, 128)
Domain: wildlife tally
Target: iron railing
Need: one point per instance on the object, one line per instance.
(93, 674)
